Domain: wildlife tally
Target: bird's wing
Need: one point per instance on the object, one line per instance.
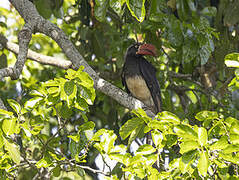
(124, 81)
(149, 74)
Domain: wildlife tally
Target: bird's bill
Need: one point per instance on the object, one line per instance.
(147, 49)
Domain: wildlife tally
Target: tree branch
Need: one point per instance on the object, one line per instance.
(2, 106)
(24, 37)
(43, 59)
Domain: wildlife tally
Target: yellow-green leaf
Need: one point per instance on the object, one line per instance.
(145, 149)
(5, 113)
(188, 146)
(15, 105)
(9, 125)
(220, 144)
(232, 60)
(129, 127)
(13, 150)
(203, 163)
(202, 136)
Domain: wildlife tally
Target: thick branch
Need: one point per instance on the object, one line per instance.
(43, 59)
(24, 37)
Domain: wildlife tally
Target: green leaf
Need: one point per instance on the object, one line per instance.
(203, 163)
(97, 135)
(44, 8)
(155, 124)
(232, 63)
(100, 9)
(229, 121)
(186, 146)
(1, 139)
(204, 53)
(129, 127)
(9, 126)
(63, 94)
(151, 159)
(206, 115)
(209, 11)
(107, 140)
(189, 156)
(13, 150)
(88, 95)
(90, 125)
(87, 85)
(116, 6)
(68, 91)
(2, 24)
(70, 74)
(137, 132)
(174, 32)
(39, 92)
(81, 104)
(220, 144)
(57, 171)
(183, 10)
(232, 60)
(80, 171)
(140, 113)
(119, 148)
(73, 148)
(75, 137)
(56, 156)
(190, 48)
(53, 90)
(70, 88)
(32, 103)
(122, 158)
(234, 138)
(51, 83)
(137, 9)
(63, 110)
(171, 139)
(15, 105)
(234, 128)
(202, 136)
(44, 162)
(157, 138)
(7, 114)
(229, 157)
(230, 149)
(145, 149)
(185, 131)
(89, 134)
(58, 13)
(166, 116)
(184, 167)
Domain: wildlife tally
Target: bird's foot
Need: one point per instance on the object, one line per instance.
(148, 111)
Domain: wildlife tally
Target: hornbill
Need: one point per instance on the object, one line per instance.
(139, 76)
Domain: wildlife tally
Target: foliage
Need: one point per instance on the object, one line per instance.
(57, 123)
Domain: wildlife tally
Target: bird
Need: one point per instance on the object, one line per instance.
(139, 76)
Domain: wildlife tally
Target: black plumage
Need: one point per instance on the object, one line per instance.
(139, 76)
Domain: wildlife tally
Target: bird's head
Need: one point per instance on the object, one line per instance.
(140, 49)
